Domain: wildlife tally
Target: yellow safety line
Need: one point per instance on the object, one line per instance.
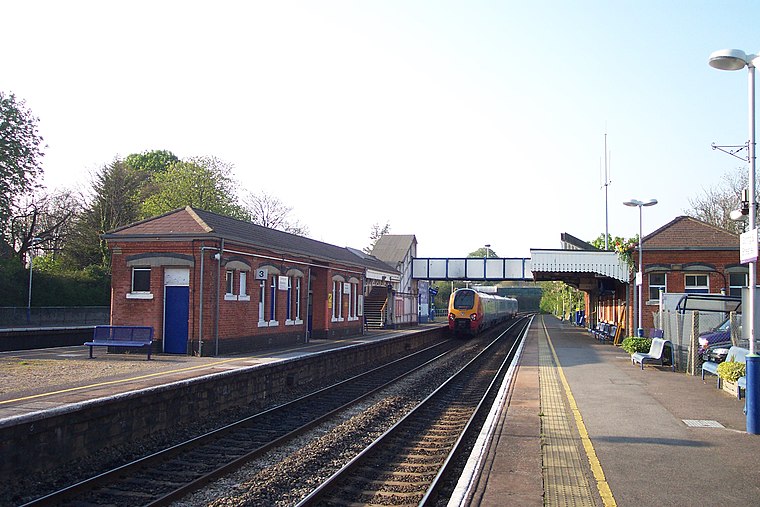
(596, 467)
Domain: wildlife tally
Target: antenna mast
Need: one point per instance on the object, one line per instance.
(606, 184)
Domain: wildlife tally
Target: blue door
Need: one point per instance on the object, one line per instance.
(176, 315)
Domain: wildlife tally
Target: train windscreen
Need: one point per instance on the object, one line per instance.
(464, 300)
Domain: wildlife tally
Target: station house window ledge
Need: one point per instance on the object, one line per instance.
(351, 319)
(243, 297)
(139, 295)
(230, 297)
(273, 323)
(336, 320)
(263, 323)
(296, 322)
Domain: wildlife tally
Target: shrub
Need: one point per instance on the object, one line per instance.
(633, 344)
(731, 370)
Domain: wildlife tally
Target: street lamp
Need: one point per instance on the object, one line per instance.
(640, 274)
(35, 242)
(736, 59)
(488, 250)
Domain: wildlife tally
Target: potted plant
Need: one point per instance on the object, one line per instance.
(730, 372)
(633, 344)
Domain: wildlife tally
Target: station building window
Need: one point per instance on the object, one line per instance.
(229, 295)
(243, 290)
(656, 284)
(696, 284)
(337, 299)
(293, 310)
(736, 282)
(140, 288)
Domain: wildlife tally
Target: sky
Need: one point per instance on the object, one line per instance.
(463, 123)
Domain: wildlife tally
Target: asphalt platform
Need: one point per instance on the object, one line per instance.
(580, 425)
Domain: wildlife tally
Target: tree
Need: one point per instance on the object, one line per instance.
(20, 154)
(151, 162)
(114, 203)
(717, 203)
(482, 252)
(202, 182)
(268, 211)
(376, 233)
(42, 221)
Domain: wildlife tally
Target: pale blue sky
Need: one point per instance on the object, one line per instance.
(414, 113)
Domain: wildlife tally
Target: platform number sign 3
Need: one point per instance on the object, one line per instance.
(261, 274)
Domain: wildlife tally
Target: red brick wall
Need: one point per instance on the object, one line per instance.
(238, 320)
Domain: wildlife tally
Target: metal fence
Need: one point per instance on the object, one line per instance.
(683, 330)
(53, 316)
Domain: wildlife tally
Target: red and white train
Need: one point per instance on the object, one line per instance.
(470, 311)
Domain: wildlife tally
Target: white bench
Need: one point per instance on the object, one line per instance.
(655, 354)
(737, 354)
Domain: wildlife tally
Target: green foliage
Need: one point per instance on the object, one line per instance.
(731, 370)
(151, 162)
(205, 183)
(633, 344)
(13, 282)
(20, 157)
(557, 297)
(52, 285)
(624, 247)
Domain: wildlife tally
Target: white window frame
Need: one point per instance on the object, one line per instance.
(732, 288)
(139, 294)
(229, 285)
(702, 289)
(262, 301)
(243, 294)
(660, 287)
(273, 303)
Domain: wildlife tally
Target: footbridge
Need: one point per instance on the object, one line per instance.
(579, 268)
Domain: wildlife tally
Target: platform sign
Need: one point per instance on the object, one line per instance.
(261, 274)
(748, 246)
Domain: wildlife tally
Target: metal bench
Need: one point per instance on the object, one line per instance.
(655, 355)
(122, 336)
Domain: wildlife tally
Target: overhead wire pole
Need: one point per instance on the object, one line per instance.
(736, 59)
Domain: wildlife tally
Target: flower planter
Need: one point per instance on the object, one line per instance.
(729, 387)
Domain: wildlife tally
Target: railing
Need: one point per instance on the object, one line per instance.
(53, 316)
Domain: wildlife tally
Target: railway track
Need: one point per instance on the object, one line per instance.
(172, 473)
(417, 460)
(261, 449)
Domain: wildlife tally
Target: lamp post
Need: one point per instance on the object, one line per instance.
(640, 274)
(35, 242)
(736, 59)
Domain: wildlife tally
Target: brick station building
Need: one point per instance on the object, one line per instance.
(211, 284)
(688, 256)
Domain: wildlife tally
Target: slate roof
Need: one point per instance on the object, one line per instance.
(688, 233)
(392, 248)
(191, 222)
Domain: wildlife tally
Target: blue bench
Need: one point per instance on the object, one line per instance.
(737, 354)
(656, 354)
(604, 331)
(122, 336)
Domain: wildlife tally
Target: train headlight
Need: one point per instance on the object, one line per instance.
(474, 317)
(451, 316)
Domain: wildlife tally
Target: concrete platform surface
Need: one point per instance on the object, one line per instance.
(582, 426)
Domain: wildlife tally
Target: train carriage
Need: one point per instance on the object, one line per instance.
(471, 311)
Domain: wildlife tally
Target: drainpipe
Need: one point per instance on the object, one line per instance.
(308, 290)
(218, 282)
(200, 308)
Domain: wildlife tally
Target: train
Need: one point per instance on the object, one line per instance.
(471, 311)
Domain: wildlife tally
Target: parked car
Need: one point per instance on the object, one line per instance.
(714, 344)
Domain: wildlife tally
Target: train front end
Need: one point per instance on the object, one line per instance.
(465, 315)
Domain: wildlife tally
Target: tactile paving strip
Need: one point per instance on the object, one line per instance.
(565, 482)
